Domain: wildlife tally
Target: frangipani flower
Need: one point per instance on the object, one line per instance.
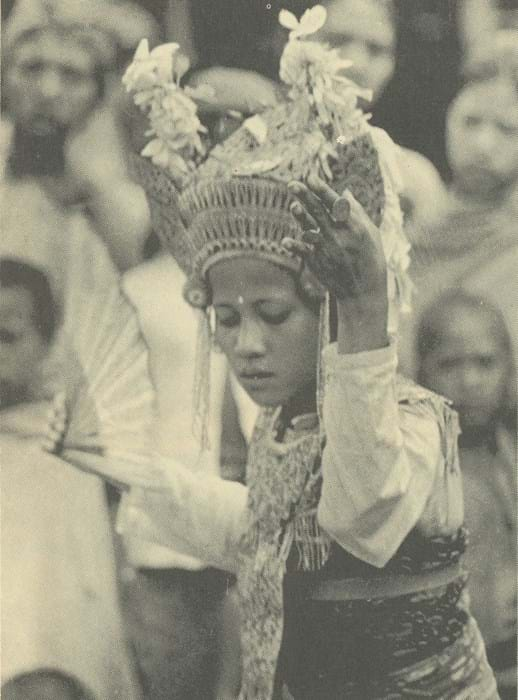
(154, 79)
(311, 21)
(315, 70)
(257, 127)
(150, 69)
(158, 152)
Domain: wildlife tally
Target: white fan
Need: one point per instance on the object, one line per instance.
(109, 395)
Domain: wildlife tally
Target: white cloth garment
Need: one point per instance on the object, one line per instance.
(383, 473)
(169, 326)
(60, 606)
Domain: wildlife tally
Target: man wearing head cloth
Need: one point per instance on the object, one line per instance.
(60, 128)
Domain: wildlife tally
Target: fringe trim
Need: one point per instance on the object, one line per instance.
(313, 545)
(323, 342)
(450, 436)
(201, 389)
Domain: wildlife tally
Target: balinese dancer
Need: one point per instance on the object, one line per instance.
(347, 538)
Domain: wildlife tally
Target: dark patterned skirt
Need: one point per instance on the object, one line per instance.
(423, 645)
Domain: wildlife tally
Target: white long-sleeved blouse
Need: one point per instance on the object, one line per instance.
(384, 472)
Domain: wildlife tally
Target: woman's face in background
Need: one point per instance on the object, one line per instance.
(469, 366)
(482, 139)
(364, 33)
(50, 83)
(267, 332)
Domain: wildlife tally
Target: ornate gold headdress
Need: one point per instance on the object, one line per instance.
(232, 199)
(212, 202)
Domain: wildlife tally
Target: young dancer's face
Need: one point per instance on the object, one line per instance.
(363, 32)
(469, 367)
(268, 334)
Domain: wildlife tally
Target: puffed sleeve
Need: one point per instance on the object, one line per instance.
(199, 515)
(381, 460)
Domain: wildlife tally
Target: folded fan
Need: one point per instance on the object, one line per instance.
(109, 395)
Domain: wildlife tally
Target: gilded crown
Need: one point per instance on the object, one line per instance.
(209, 203)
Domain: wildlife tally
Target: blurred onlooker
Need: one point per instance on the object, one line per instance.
(465, 353)
(482, 140)
(496, 54)
(60, 243)
(480, 22)
(60, 604)
(60, 615)
(474, 244)
(27, 325)
(58, 128)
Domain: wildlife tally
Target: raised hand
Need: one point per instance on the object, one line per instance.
(340, 244)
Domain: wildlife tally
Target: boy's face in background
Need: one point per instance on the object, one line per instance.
(364, 33)
(50, 83)
(469, 367)
(482, 139)
(22, 348)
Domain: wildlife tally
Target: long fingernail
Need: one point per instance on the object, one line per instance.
(296, 209)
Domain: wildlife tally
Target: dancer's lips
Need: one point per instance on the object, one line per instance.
(255, 375)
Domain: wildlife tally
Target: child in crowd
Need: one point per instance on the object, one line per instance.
(465, 353)
(347, 538)
(482, 139)
(59, 597)
(28, 319)
(473, 246)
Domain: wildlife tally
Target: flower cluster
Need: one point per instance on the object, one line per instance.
(154, 79)
(314, 71)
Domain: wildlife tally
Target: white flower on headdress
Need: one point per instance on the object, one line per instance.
(257, 127)
(158, 152)
(311, 21)
(150, 69)
(174, 120)
(315, 71)
(154, 79)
